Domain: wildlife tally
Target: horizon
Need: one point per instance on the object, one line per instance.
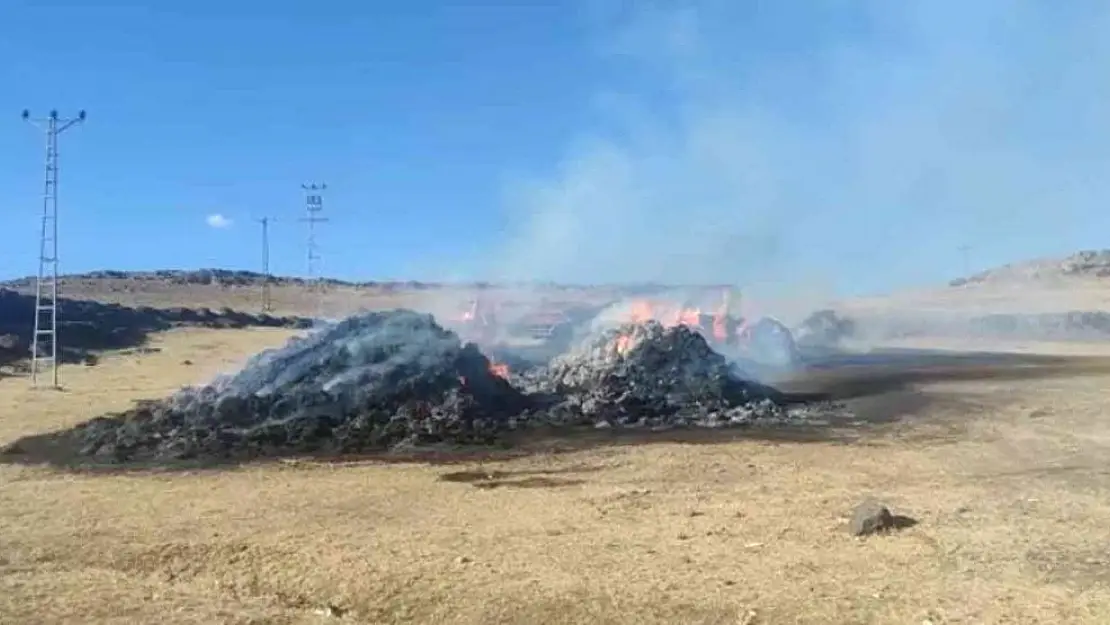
(328, 279)
(847, 149)
(479, 283)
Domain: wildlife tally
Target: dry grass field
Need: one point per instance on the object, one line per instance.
(1040, 296)
(286, 299)
(1006, 476)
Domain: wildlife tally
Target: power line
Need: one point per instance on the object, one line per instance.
(314, 204)
(965, 253)
(46, 284)
(267, 278)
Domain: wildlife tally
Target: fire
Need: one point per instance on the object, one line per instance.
(688, 317)
(624, 343)
(720, 327)
(642, 311)
(499, 369)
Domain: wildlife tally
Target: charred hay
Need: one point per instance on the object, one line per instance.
(651, 375)
(371, 381)
(382, 379)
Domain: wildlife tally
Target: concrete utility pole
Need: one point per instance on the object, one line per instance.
(44, 341)
(267, 305)
(314, 204)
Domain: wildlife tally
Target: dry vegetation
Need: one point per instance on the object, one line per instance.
(285, 300)
(1032, 296)
(1007, 479)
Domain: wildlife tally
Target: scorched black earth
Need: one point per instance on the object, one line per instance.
(377, 380)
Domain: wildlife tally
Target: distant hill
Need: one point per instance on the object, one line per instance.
(1091, 264)
(242, 290)
(246, 278)
(212, 277)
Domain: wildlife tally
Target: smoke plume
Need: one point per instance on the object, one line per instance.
(848, 145)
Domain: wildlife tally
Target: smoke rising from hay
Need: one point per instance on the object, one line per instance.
(848, 146)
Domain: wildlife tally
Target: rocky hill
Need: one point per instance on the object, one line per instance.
(209, 277)
(1085, 264)
(243, 290)
(247, 278)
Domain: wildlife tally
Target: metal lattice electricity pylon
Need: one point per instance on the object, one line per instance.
(46, 285)
(267, 304)
(965, 254)
(314, 204)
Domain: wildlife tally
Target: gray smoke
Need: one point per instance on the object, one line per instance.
(352, 356)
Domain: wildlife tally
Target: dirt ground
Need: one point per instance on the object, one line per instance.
(1006, 475)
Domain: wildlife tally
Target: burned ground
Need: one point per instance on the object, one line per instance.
(86, 327)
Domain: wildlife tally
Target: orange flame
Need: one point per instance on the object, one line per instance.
(624, 343)
(688, 317)
(720, 327)
(642, 311)
(499, 369)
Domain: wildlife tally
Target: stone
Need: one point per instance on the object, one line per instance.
(870, 517)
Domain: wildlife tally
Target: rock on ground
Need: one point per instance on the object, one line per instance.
(870, 517)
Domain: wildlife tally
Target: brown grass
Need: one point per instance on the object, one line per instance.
(1008, 480)
(1017, 296)
(285, 299)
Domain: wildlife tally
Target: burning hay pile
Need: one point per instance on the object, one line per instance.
(646, 374)
(377, 380)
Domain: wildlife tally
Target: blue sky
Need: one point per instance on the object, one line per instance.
(830, 144)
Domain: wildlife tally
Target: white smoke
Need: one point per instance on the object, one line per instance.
(848, 145)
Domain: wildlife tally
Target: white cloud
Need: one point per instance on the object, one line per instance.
(217, 220)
